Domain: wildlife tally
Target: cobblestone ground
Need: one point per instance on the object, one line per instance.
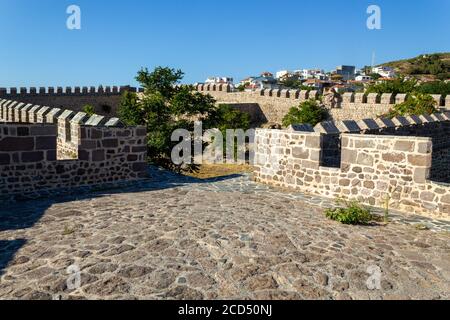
(178, 238)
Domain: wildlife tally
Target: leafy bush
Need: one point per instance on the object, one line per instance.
(165, 107)
(353, 213)
(308, 112)
(435, 87)
(398, 85)
(416, 104)
(431, 64)
(293, 83)
(226, 117)
(89, 110)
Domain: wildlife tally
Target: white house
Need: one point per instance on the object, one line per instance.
(219, 80)
(363, 78)
(385, 72)
(312, 74)
(283, 74)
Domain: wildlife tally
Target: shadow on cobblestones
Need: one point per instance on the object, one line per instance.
(7, 251)
(24, 214)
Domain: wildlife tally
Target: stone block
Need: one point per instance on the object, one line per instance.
(439, 99)
(66, 115)
(303, 95)
(52, 115)
(314, 94)
(349, 156)
(276, 93)
(46, 143)
(400, 98)
(300, 127)
(96, 120)
(114, 122)
(425, 118)
(16, 144)
(300, 153)
(414, 119)
(373, 98)
(403, 145)
(421, 175)
(285, 93)
(401, 122)
(313, 141)
(348, 97)
(387, 98)
(35, 156)
(294, 94)
(328, 127)
(98, 155)
(348, 126)
(5, 159)
(385, 123)
(79, 118)
(360, 98)
(110, 143)
(420, 160)
(438, 117)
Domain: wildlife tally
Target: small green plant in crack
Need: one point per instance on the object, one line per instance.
(350, 212)
(387, 203)
(68, 231)
(421, 227)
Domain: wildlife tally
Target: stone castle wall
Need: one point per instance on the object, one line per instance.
(43, 149)
(372, 167)
(273, 105)
(105, 100)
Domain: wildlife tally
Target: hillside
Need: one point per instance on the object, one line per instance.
(424, 67)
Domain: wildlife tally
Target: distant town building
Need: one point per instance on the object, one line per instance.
(219, 80)
(363, 78)
(317, 84)
(312, 74)
(265, 81)
(347, 72)
(283, 74)
(385, 72)
(267, 74)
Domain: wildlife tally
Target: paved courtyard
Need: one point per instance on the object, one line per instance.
(229, 238)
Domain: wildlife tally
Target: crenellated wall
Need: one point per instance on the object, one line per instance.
(372, 163)
(44, 149)
(105, 100)
(273, 105)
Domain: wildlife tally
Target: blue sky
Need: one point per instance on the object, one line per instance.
(204, 38)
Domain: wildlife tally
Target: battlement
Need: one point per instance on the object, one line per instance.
(43, 148)
(372, 125)
(347, 98)
(105, 100)
(33, 91)
(405, 158)
(273, 105)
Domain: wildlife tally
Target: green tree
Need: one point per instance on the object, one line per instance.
(89, 110)
(416, 104)
(165, 106)
(293, 83)
(308, 112)
(398, 85)
(226, 117)
(435, 87)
